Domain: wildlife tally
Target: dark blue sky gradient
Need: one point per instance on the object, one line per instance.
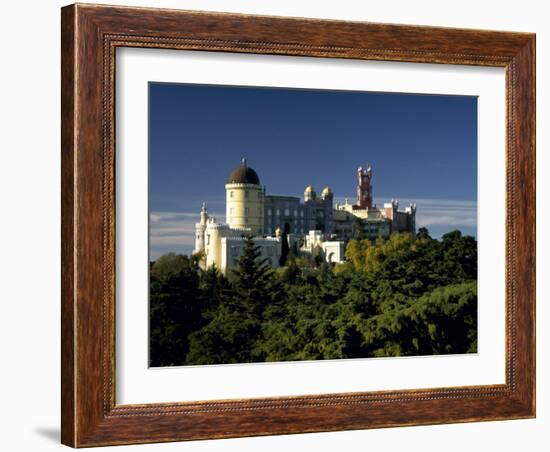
(419, 146)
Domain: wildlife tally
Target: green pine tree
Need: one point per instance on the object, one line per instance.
(236, 326)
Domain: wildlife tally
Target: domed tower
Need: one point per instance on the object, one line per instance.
(327, 193)
(328, 197)
(244, 200)
(309, 193)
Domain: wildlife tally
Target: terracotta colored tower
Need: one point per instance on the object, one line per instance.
(364, 188)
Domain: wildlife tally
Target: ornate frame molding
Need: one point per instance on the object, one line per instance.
(90, 36)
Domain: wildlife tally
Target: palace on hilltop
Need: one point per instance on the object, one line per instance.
(313, 226)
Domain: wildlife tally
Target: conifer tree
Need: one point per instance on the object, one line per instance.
(235, 328)
(252, 279)
(214, 288)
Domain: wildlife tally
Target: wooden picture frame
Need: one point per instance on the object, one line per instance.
(90, 36)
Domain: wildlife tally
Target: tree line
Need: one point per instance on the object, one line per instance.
(407, 295)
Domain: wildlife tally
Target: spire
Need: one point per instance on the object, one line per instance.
(204, 214)
(243, 161)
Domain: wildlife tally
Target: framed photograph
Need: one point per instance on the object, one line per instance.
(281, 225)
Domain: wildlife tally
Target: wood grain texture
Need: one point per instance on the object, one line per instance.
(90, 36)
(67, 225)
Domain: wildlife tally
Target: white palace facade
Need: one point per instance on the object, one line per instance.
(312, 226)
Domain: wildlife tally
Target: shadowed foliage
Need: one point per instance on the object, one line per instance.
(405, 295)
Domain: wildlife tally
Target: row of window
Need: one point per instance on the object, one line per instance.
(320, 213)
(246, 211)
(270, 220)
(286, 212)
(246, 194)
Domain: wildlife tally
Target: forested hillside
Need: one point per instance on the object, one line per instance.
(404, 296)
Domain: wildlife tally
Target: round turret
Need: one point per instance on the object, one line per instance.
(327, 193)
(245, 200)
(309, 193)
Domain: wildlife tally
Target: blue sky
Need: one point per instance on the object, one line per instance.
(422, 148)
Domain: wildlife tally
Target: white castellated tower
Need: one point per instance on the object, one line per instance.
(245, 200)
(200, 229)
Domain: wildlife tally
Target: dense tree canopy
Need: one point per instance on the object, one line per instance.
(401, 296)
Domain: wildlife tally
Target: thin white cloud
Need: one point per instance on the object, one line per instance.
(173, 231)
(164, 216)
(445, 213)
(456, 220)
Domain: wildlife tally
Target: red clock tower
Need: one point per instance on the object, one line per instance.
(364, 188)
